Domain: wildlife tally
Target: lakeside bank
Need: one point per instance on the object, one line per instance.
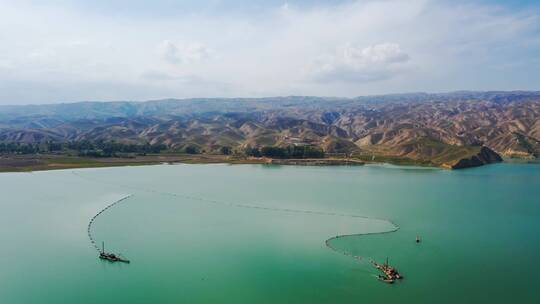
(45, 162)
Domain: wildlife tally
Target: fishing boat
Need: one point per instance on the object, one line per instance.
(111, 257)
(390, 273)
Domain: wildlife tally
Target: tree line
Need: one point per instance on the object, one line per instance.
(114, 149)
(286, 152)
(82, 148)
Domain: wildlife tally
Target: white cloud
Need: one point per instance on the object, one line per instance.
(355, 47)
(352, 63)
(183, 52)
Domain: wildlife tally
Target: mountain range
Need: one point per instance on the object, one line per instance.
(441, 129)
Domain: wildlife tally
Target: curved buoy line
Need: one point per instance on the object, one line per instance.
(90, 236)
(328, 242)
(250, 206)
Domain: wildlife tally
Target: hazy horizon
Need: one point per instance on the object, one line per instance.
(269, 97)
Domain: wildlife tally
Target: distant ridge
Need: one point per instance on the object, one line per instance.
(436, 128)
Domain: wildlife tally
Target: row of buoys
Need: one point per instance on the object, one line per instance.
(248, 206)
(89, 229)
(329, 245)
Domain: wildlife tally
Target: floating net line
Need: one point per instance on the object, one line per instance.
(328, 244)
(90, 235)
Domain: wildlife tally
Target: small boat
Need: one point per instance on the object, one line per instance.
(418, 239)
(390, 273)
(111, 257)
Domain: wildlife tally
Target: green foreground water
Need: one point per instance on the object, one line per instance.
(192, 238)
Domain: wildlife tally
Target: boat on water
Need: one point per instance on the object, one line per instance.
(390, 274)
(111, 257)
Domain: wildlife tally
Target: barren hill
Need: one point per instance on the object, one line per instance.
(442, 129)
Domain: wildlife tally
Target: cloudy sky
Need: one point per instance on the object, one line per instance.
(68, 50)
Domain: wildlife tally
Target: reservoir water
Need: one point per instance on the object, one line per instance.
(256, 234)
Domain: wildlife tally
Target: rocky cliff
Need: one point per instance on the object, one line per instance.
(483, 157)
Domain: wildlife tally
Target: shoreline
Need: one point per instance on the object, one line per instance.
(47, 162)
(44, 162)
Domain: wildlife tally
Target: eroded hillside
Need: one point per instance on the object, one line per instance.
(442, 129)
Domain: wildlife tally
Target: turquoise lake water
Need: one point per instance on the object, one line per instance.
(256, 234)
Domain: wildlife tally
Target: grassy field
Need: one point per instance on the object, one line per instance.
(395, 160)
(26, 163)
(39, 162)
